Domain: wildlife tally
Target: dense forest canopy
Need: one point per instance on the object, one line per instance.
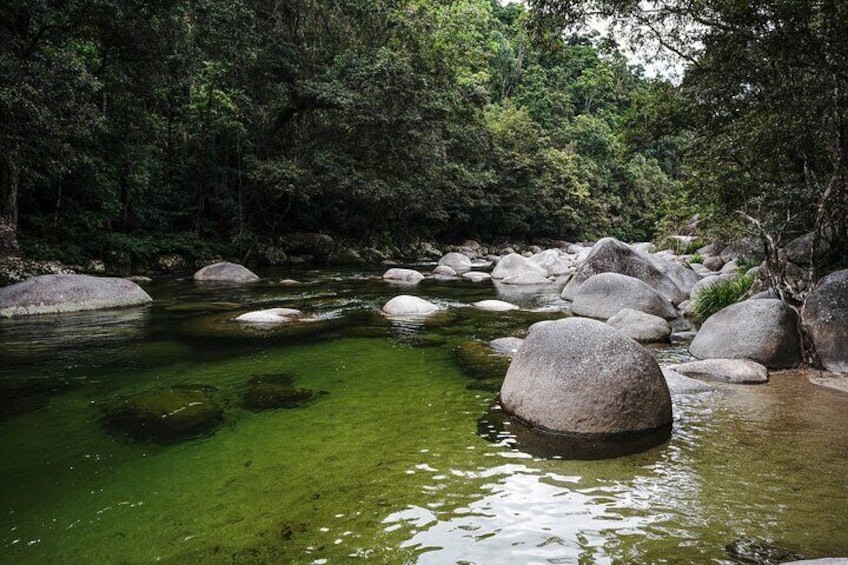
(193, 125)
(764, 100)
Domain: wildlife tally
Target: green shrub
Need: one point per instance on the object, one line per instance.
(720, 295)
(696, 259)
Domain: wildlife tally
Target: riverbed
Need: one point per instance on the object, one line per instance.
(393, 461)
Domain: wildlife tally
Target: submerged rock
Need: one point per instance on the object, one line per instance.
(506, 345)
(681, 384)
(580, 377)
(54, 294)
(167, 416)
(268, 392)
(825, 315)
(764, 330)
(481, 362)
(406, 305)
(225, 272)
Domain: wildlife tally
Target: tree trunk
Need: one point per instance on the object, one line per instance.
(9, 182)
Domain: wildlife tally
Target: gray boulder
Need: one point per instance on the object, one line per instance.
(680, 384)
(748, 249)
(612, 256)
(605, 295)
(477, 276)
(405, 305)
(644, 328)
(526, 278)
(825, 315)
(55, 294)
(581, 377)
(552, 262)
(456, 261)
(800, 250)
(225, 272)
(443, 272)
(514, 264)
(405, 276)
(765, 331)
(713, 263)
(737, 371)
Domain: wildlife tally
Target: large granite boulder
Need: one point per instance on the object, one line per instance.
(612, 256)
(825, 315)
(456, 261)
(606, 294)
(514, 265)
(405, 276)
(581, 377)
(765, 331)
(644, 328)
(54, 294)
(406, 305)
(225, 272)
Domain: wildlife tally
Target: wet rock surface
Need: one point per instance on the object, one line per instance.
(167, 416)
(269, 392)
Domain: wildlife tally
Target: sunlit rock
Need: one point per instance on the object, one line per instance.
(513, 265)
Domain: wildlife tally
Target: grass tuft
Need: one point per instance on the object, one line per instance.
(720, 295)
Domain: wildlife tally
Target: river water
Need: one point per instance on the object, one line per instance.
(391, 464)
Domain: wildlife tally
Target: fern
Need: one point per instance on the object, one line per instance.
(720, 295)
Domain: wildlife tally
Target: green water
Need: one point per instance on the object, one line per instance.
(388, 466)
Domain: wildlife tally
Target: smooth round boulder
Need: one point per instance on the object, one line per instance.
(457, 261)
(495, 305)
(405, 276)
(606, 294)
(825, 315)
(644, 328)
(477, 276)
(271, 316)
(737, 371)
(444, 272)
(765, 331)
(513, 265)
(225, 272)
(580, 377)
(55, 294)
(406, 305)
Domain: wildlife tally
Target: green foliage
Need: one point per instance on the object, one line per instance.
(720, 295)
(140, 123)
(696, 258)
